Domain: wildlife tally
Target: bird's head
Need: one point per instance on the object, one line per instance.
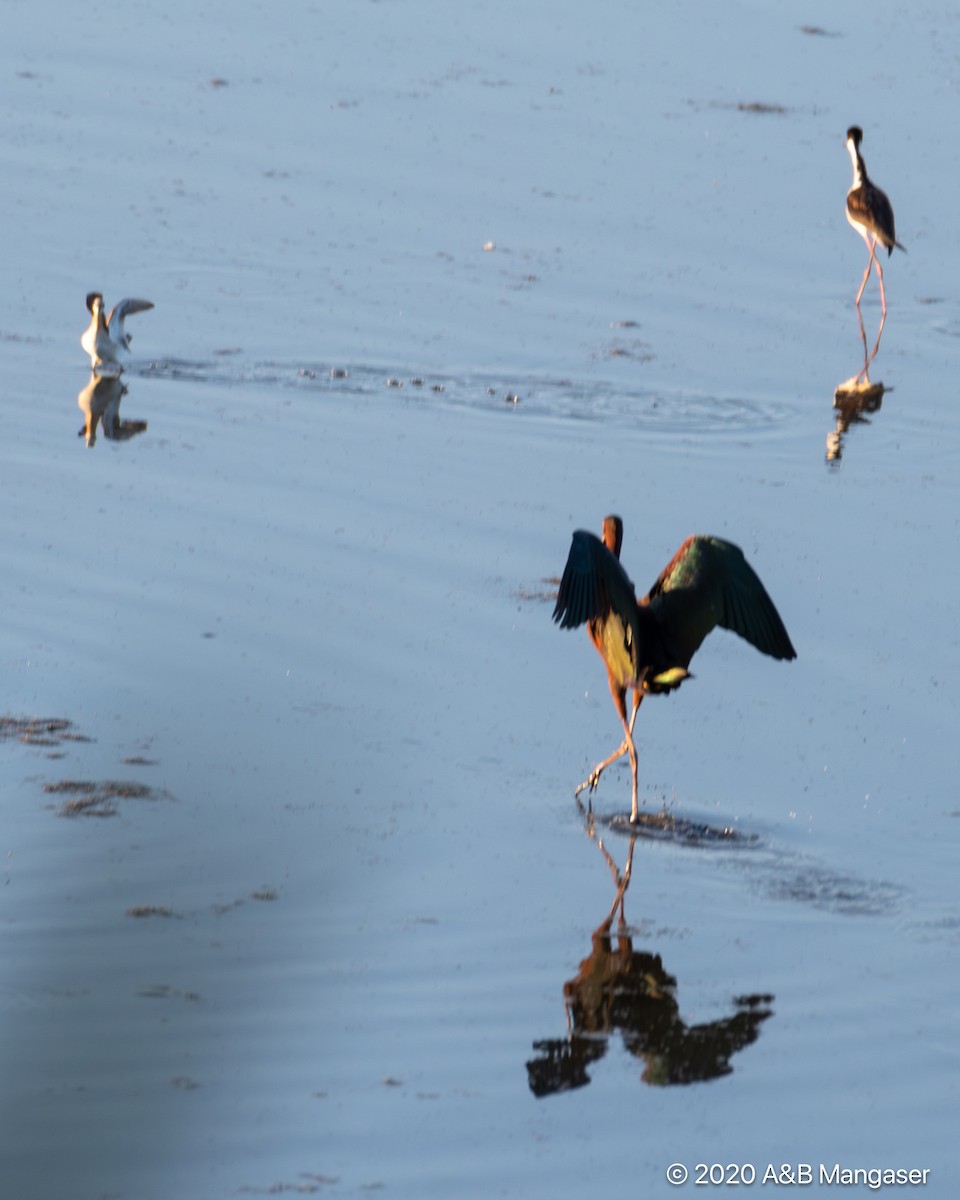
(855, 135)
(613, 534)
(94, 302)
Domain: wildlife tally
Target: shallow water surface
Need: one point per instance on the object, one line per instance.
(296, 897)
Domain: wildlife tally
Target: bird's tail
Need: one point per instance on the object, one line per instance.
(667, 680)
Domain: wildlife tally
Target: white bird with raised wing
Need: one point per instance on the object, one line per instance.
(105, 338)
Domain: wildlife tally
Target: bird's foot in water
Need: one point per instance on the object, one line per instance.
(590, 783)
(108, 370)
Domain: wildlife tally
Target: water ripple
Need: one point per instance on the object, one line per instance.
(594, 400)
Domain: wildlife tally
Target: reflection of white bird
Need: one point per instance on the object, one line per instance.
(105, 337)
(100, 394)
(100, 404)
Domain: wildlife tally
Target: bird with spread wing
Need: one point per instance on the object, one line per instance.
(647, 644)
(105, 339)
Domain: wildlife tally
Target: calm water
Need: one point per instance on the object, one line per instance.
(296, 898)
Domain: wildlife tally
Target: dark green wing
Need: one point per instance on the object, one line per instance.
(710, 583)
(594, 584)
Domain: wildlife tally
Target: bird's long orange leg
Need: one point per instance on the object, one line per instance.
(637, 698)
(593, 778)
(632, 750)
(591, 781)
(620, 699)
(638, 695)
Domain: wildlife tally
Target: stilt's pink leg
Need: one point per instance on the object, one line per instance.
(873, 260)
(872, 247)
(883, 298)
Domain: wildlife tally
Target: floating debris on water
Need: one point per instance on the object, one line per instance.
(86, 798)
(545, 594)
(40, 731)
(757, 106)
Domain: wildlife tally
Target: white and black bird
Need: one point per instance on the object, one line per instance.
(105, 338)
(870, 213)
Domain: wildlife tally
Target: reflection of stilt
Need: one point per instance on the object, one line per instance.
(868, 358)
(851, 401)
(857, 394)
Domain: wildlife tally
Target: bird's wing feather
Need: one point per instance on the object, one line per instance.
(870, 207)
(708, 583)
(122, 310)
(593, 584)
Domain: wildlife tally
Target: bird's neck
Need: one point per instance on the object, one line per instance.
(859, 170)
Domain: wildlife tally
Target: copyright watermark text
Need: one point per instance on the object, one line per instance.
(795, 1175)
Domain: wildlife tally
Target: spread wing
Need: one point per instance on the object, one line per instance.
(119, 313)
(710, 583)
(594, 584)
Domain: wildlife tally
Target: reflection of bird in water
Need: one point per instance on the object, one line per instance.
(621, 989)
(99, 402)
(871, 215)
(647, 644)
(105, 338)
(850, 407)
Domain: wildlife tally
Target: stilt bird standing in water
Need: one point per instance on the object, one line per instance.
(647, 644)
(871, 215)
